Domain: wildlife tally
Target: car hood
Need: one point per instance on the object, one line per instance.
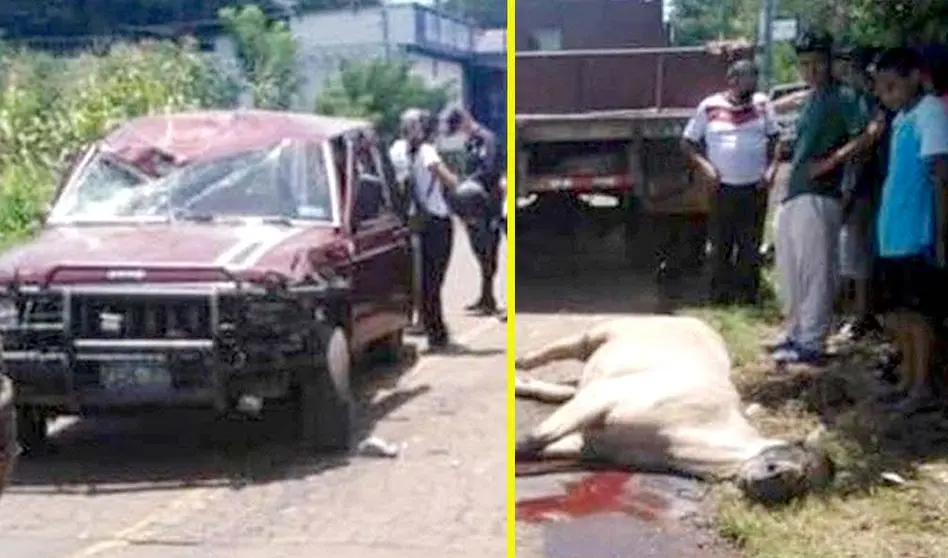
(238, 248)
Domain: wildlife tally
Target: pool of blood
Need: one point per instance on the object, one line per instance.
(597, 494)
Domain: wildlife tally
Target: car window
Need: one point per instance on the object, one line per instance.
(370, 199)
(315, 194)
(372, 196)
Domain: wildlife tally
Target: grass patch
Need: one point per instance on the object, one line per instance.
(865, 514)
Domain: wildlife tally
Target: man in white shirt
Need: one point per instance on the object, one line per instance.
(398, 154)
(730, 143)
(430, 178)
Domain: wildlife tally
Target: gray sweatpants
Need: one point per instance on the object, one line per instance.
(807, 258)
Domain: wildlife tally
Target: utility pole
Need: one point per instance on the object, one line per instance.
(386, 31)
(769, 14)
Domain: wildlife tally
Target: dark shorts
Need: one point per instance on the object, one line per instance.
(911, 283)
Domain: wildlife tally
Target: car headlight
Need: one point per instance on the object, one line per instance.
(9, 313)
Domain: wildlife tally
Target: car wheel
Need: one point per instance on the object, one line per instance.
(325, 408)
(391, 347)
(32, 429)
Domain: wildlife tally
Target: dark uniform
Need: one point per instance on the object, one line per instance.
(482, 164)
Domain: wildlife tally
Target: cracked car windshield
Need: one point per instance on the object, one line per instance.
(285, 182)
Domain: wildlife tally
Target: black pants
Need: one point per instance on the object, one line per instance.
(436, 242)
(736, 230)
(484, 235)
(912, 283)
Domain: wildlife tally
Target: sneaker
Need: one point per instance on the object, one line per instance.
(483, 307)
(784, 344)
(799, 355)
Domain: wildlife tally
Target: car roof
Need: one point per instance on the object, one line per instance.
(193, 136)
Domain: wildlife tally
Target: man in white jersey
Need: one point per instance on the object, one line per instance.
(430, 178)
(730, 143)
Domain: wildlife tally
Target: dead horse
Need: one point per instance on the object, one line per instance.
(656, 394)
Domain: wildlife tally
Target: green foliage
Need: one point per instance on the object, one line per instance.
(51, 107)
(695, 22)
(267, 52)
(881, 22)
(378, 90)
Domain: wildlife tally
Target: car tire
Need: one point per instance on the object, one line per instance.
(325, 406)
(391, 347)
(32, 428)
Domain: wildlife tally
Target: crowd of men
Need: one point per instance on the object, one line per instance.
(434, 192)
(860, 229)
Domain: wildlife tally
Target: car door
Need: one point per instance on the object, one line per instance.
(401, 256)
(379, 243)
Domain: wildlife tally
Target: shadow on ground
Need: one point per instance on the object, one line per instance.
(180, 449)
(590, 270)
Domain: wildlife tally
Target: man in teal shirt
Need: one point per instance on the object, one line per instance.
(807, 242)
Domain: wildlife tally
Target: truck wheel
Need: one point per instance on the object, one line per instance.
(325, 409)
(32, 429)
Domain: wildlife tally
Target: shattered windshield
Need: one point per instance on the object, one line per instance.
(284, 182)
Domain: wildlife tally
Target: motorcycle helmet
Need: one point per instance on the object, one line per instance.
(470, 200)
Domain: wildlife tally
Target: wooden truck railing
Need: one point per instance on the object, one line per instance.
(582, 81)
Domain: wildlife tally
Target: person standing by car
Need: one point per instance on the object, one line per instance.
(807, 240)
(483, 230)
(730, 142)
(398, 154)
(431, 181)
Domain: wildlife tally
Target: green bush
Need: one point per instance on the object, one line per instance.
(379, 90)
(50, 107)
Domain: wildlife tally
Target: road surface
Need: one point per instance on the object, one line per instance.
(610, 514)
(170, 486)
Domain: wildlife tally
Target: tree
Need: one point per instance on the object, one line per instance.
(881, 22)
(267, 53)
(696, 22)
(378, 90)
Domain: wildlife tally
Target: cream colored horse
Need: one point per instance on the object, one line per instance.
(656, 394)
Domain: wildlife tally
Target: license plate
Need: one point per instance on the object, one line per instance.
(125, 376)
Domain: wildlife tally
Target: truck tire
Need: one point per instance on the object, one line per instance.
(325, 406)
(32, 427)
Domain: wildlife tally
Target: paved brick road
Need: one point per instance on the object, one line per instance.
(171, 486)
(558, 294)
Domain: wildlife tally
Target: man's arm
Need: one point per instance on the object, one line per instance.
(773, 139)
(865, 135)
(790, 102)
(444, 174)
(432, 161)
(691, 144)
